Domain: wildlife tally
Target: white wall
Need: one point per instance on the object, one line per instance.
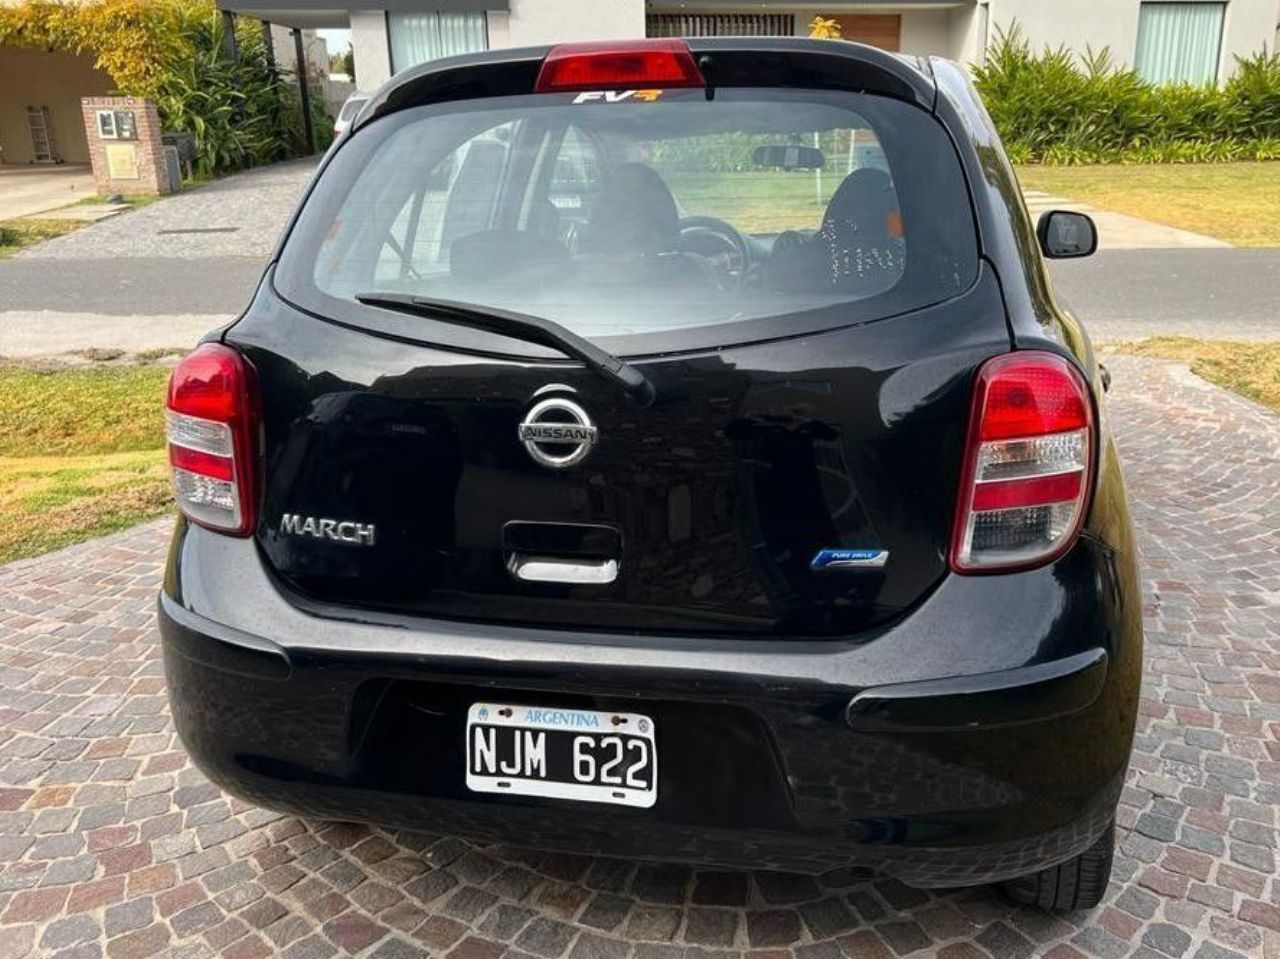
(927, 33)
(1114, 23)
(1250, 24)
(1075, 25)
(370, 48)
(968, 28)
(535, 22)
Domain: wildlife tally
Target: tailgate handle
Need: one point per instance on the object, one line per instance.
(560, 569)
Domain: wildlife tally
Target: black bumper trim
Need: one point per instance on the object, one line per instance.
(223, 647)
(1027, 694)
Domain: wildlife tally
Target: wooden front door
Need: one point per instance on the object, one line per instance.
(883, 30)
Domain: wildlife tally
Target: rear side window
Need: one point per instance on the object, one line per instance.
(649, 222)
(351, 108)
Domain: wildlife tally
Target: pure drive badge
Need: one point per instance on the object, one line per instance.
(319, 527)
(849, 559)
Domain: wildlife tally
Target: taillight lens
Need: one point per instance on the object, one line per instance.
(212, 424)
(612, 65)
(1028, 464)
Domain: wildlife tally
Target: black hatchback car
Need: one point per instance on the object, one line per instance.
(666, 449)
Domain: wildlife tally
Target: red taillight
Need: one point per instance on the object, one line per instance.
(211, 424)
(601, 66)
(1027, 467)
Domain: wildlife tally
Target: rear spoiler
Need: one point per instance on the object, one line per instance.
(724, 62)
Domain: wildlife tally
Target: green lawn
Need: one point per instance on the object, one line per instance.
(1236, 202)
(1251, 369)
(81, 454)
(757, 201)
(17, 235)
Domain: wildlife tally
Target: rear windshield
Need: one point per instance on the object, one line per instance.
(647, 221)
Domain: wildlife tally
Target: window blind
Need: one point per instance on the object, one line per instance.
(419, 37)
(1179, 42)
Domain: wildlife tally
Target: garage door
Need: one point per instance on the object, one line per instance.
(878, 30)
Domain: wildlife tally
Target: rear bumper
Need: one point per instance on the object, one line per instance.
(802, 756)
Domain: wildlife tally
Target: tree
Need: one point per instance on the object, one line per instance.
(824, 28)
(343, 62)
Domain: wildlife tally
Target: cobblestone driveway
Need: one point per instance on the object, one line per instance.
(110, 842)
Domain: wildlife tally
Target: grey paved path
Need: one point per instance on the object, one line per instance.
(1227, 294)
(110, 840)
(240, 216)
(129, 287)
(25, 190)
(1119, 231)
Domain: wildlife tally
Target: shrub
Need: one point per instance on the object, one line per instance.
(1059, 108)
(241, 111)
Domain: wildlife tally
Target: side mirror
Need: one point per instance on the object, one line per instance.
(1065, 235)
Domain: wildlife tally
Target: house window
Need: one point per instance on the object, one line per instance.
(1180, 42)
(720, 25)
(418, 37)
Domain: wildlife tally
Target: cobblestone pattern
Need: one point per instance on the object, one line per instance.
(112, 844)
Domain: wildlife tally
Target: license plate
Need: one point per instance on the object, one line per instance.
(562, 754)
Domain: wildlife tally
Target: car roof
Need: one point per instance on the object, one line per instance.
(798, 62)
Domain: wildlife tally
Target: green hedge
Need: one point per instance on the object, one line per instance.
(241, 111)
(1059, 108)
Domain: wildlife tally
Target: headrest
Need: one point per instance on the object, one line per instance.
(633, 212)
(865, 200)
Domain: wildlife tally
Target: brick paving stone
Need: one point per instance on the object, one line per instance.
(661, 883)
(705, 926)
(653, 923)
(399, 949)
(592, 946)
(439, 932)
(505, 921)
(112, 844)
(605, 911)
(546, 937)
(773, 927)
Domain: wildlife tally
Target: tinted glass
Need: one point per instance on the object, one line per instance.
(644, 222)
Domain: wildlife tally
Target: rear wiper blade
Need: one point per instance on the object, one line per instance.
(519, 326)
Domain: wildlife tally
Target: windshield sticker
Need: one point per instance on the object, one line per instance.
(617, 96)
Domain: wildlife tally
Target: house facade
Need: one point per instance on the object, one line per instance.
(40, 91)
(1194, 41)
(41, 123)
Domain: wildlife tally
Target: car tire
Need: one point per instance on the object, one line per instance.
(1078, 883)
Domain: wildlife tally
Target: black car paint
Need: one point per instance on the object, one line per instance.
(357, 431)
(980, 734)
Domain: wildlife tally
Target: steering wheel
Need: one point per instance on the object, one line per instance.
(720, 242)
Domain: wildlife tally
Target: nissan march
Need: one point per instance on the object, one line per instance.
(666, 449)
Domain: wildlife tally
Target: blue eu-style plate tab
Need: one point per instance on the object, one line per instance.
(849, 559)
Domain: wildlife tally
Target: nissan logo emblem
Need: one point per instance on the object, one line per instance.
(557, 432)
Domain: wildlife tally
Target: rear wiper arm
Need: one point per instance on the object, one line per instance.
(519, 326)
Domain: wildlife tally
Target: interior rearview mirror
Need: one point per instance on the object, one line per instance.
(789, 157)
(1066, 235)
